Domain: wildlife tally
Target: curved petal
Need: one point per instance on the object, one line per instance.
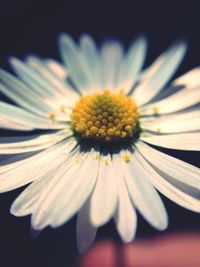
(26, 202)
(160, 72)
(31, 169)
(176, 168)
(169, 188)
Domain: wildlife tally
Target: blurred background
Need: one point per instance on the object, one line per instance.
(33, 27)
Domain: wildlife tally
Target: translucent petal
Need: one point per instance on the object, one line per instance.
(85, 232)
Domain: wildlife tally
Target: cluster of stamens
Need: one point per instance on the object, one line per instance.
(105, 116)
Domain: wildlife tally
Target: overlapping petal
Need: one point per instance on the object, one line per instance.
(68, 176)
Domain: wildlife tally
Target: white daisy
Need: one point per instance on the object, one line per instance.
(96, 120)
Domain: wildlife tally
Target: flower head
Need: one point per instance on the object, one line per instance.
(98, 115)
(105, 116)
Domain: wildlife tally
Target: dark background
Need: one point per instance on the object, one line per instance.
(33, 27)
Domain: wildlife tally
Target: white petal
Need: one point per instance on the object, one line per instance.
(26, 202)
(187, 141)
(22, 144)
(90, 56)
(33, 79)
(30, 169)
(8, 162)
(132, 64)
(190, 79)
(85, 232)
(55, 85)
(11, 125)
(176, 168)
(58, 69)
(125, 217)
(21, 116)
(57, 180)
(17, 91)
(143, 194)
(63, 194)
(104, 196)
(76, 66)
(77, 191)
(178, 101)
(169, 188)
(187, 81)
(159, 74)
(176, 123)
(111, 58)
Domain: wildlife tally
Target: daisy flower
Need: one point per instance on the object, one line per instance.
(86, 133)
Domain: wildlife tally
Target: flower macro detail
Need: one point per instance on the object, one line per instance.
(90, 132)
(105, 116)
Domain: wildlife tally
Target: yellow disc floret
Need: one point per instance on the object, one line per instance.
(105, 116)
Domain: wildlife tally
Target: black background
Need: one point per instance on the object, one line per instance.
(33, 27)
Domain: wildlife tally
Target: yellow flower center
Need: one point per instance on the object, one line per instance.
(105, 116)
